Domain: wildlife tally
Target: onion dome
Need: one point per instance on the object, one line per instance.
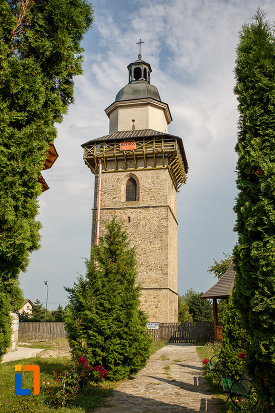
(139, 82)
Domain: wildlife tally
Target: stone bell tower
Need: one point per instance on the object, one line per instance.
(140, 168)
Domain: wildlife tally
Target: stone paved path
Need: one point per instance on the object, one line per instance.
(172, 381)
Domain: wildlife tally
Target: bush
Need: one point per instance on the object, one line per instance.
(199, 308)
(235, 339)
(103, 320)
(5, 322)
(39, 55)
(11, 298)
(254, 254)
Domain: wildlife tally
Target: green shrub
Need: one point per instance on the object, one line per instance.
(199, 308)
(40, 54)
(11, 298)
(235, 339)
(254, 255)
(5, 322)
(103, 320)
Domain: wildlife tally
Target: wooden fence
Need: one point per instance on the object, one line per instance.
(184, 332)
(171, 332)
(40, 330)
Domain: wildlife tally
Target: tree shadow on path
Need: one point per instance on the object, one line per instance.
(124, 403)
(190, 367)
(198, 386)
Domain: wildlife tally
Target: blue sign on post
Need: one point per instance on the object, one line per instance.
(153, 326)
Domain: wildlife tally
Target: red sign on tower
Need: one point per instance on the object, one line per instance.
(128, 146)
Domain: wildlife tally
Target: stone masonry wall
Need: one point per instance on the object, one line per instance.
(152, 228)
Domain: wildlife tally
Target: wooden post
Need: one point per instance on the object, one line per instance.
(215, 314)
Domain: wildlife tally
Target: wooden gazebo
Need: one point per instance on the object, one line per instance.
(222, 289)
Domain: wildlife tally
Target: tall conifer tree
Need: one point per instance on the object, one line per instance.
(254, 255)
(39, 55)
(103, 319)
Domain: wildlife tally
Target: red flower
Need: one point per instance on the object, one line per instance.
(206, 361)
(241, 356)
(82, 361)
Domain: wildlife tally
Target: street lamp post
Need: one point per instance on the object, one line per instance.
(46, 283)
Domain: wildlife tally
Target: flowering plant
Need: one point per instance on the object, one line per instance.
(93, 373)
(241, 356)
(68, 384)
(65, 390)
(206, 361)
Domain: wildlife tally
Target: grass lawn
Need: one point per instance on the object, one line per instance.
(90, 397)
(45, 344)
(207, 351)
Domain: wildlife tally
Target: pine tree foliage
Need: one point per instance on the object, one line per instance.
(183, 310)
(200, 308)
(103, 320)
(40, 54)
(194, 308)
(58, 315)
(254, 255)
(38, 311)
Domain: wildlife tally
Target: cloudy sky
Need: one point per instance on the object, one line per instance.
(190, 45)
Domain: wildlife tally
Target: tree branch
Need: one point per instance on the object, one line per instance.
(24, 9)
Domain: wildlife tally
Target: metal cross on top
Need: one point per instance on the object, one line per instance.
(139, 43)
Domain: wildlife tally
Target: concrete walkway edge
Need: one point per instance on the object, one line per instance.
(21, 353)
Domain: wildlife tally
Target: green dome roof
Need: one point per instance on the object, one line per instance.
(137, 90)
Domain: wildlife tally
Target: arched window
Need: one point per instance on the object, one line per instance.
(145, 74)
(131, 190)
(137, 73)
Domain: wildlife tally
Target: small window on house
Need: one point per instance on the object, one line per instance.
(137, 73)
(129, 219)
(131, 190)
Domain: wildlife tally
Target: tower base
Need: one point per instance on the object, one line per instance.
(161, 304)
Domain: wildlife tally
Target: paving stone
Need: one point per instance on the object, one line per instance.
(172, 381)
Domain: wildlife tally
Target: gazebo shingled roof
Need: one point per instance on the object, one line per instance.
(222, 289)
(224, 286)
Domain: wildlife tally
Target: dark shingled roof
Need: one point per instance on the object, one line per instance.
(224, 286)
(138, 90)
(140, 133)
